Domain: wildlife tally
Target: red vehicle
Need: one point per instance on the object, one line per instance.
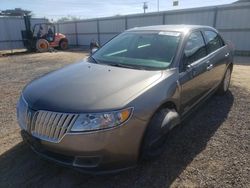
(42, 37)
(45, 37)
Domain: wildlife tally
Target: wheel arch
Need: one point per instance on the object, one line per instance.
(169, 104)
(63, 39)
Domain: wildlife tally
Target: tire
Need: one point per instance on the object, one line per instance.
(155, 136)
(42, 45)
(223, 88)
(63, 45)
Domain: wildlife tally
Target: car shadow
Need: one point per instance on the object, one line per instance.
(21, 167)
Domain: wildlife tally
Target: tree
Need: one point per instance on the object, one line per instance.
(15, 12)
(68, 18)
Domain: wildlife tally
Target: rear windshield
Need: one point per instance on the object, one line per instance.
(140, 50)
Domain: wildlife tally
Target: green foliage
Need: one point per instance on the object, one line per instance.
(68, 18)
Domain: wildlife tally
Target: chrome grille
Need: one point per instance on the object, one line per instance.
(51, 126)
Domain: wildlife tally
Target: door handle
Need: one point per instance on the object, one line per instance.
(227, 54)
(209, 67)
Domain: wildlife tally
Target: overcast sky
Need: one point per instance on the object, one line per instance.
(99, 8)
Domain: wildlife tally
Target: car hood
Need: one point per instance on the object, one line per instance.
(88, 87)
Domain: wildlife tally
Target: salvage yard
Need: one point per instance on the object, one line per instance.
(210, 149)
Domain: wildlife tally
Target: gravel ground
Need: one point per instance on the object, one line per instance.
(210, 149)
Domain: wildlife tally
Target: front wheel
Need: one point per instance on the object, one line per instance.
(42, 45)
(223, 88)
(156, 134)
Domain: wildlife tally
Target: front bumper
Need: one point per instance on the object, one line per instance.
(98, 152)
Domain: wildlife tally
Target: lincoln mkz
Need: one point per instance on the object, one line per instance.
(117, 106)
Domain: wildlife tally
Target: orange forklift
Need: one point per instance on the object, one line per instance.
(42, 37)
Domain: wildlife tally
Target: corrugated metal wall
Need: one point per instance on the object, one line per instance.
(199, 18)
(10, 31)
(234, 25)
(231, 20)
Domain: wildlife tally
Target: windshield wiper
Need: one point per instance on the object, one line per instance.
(117, 64)
(126, 66)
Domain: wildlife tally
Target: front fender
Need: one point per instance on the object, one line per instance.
(165, 90)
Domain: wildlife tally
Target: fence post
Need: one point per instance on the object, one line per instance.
(76, 33)
(163, 18)
(58, 28)
(7, 27)
(126, 22)
(98, 31)
(215, 17)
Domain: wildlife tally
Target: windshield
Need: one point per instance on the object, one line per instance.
(140, 50)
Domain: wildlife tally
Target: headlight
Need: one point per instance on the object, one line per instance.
(22, 108)
(96, 121)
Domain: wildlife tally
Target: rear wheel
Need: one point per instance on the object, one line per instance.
(223, 88)
(63, 45)
(156, 133)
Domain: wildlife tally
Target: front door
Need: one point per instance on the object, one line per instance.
(193, 71)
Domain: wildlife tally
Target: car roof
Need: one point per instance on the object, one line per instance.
(179, 28)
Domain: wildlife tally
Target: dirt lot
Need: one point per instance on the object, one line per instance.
(211, 149)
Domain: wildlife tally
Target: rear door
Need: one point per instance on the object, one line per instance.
(218, 55)
(193, 71)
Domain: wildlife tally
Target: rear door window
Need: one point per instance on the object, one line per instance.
(214, 41)
(195, 48)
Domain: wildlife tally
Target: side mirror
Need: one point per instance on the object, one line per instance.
(93, 50)
(94, 46)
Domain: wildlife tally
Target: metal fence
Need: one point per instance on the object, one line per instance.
(10, 31)
(231, 20)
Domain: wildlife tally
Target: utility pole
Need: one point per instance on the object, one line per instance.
(158, 5)
(145, 6)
